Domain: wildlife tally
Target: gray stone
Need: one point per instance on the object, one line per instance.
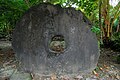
(50, 39)
(5, 45)
(9, 73)
(21, 76)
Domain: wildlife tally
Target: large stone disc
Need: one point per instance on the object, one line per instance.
(50, 39)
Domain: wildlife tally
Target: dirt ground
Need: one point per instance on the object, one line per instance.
(107, 68)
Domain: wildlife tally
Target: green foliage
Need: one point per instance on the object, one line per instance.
(10, 13)
(3, 32)
(96, 30)
(118, 59)
(115, 24)
(115, 39)
(88, 6)
(12, 10)
(31, 3)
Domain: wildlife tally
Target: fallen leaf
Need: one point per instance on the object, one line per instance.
(101, 68)
(53, 77)
(117, 77)
(95, 73)
(106, 66)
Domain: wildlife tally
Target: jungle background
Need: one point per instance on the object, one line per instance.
(103, 14)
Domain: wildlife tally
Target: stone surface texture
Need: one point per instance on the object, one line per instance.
(33, 33)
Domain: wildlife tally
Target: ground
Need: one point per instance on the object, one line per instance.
(107, 68)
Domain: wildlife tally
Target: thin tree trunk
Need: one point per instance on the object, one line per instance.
(100, 2)
(108, 20)
(118, 27)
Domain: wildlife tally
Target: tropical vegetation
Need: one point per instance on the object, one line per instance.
(104, 17)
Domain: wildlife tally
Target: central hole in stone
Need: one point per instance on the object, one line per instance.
(57, 44)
